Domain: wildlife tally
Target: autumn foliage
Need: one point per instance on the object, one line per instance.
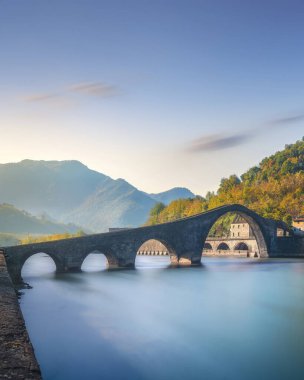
(42, 238)
(274, 189)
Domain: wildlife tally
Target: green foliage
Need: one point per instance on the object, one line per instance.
(159, 206)
(155, 211)
(274, 189)
(228, 183)
(222, 226)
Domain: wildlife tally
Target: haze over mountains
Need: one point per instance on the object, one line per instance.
(21, 222)
(70, 192)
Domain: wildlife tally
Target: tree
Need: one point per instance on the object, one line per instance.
(157, 209)
(228, 183)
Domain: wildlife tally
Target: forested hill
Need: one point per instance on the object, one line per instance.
(16, 221)
(274, 189)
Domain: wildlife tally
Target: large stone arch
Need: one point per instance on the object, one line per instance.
(259, 230)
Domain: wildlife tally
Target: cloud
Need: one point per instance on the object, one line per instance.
(94, 89)
(287, 120)
(97, 89)
(224, 141)
(40, 97)
(217, 142)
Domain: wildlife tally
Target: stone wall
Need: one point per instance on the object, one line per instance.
(17, 359)
(292, 247)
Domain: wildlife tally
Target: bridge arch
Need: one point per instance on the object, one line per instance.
(208, 246)
(39, 254)
(241, 246)
(94, 261)
(253, 219)
(223, 247)
(162, 248)
(110, 261)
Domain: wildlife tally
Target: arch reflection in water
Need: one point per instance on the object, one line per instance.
(94, 262)
(39, 264)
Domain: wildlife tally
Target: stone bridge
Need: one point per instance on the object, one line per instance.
(183, 238)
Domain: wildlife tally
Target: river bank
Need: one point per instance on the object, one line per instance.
(17, 358)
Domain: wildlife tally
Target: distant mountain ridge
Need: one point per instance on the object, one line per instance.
(70, 192)
(168, 196)
(16, 221)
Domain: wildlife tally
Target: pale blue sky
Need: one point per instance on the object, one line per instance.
(161, 93)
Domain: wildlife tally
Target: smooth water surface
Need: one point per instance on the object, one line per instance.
(229, 319)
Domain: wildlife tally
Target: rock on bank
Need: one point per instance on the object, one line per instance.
(17, 358)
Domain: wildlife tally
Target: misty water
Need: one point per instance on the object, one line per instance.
(229, 319)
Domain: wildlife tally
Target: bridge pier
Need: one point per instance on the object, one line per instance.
(125, 257)
(189, 261)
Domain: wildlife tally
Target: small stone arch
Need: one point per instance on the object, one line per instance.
(208, 246)
(111, 260)
(157, 247)
(31, 255)
(223, 247)
(241, 246)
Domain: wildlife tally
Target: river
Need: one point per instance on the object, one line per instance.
(229, 319)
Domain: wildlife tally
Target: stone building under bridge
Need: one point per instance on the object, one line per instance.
(240, 242)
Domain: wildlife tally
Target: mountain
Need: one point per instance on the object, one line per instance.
(176, 193)
(54, 187)
(274, 189)
(16, 221)
(115, 204)
(70, 192)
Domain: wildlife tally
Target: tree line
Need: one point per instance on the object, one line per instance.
(273, 189)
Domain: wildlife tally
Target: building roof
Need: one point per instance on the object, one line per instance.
(299, 219)
(239, 220)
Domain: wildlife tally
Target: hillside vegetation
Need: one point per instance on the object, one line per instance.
(274, 189)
